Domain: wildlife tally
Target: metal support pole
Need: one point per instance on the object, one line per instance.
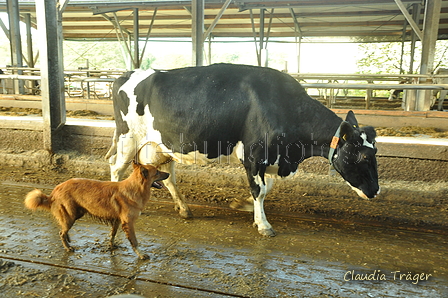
(416, 7)
(197, 32)
(15, 41)
(408, 17)
(148, 34)
(29, 46)
(297, 31)
(430, 29)
(29, 41)
(403, 39)
(136, 59)
(49, 24)
(261, 47)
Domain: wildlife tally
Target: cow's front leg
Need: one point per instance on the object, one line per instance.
(260, 189)
(170, 183)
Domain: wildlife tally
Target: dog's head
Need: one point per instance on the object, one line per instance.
(150, 174)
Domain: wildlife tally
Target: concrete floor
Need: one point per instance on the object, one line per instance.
(216, 254)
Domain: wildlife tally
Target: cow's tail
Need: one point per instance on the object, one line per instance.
(113, 149)
(36, 199)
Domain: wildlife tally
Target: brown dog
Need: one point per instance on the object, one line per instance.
(111, 202)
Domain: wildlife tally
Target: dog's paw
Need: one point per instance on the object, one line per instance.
(143, 256)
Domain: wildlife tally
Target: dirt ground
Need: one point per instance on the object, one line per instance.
(412, 203)
(216, 254)
(324, 231)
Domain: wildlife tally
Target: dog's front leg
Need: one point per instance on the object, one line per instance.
(113, 232)
(128, 228)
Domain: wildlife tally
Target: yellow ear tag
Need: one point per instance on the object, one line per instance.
(334, 142)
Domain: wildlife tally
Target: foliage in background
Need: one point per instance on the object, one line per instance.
(100, 55)
(385, 57)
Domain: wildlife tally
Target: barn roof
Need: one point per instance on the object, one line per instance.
(359, 20)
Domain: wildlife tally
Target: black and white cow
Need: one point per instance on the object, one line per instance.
(223, 112)
(442, 93)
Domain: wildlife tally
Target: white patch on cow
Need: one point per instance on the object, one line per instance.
(365, 142)
(361, 193)
(239, 151)
(264, 227)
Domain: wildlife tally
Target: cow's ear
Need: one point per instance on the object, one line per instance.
(352, 119)
(347, 131)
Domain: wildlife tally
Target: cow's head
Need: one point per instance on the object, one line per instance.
(354, 157)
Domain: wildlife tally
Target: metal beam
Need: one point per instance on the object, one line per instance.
(217, 18)
(136, 60)
(148, 33)
(299, 31)
(15, 41)
(4, 28)
(416, 8)
(49, 20)
(409, 18)
(29, 41)
(255, 36)
(120, 37)
(197, 31)
(430, 29)
(261, 37)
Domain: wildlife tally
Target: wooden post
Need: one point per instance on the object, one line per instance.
(49, 24)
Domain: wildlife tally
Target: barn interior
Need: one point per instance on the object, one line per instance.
(46, 140)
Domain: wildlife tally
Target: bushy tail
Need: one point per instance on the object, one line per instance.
(36, 199)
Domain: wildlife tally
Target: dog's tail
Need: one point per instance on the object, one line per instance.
(36, 199)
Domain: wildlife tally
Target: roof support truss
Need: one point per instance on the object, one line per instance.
(409, 18)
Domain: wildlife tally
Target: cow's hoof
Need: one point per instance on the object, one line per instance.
(185, 214)
(267, 232)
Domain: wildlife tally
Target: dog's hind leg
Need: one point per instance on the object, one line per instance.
(128, 228)
(113, 232)
(66, 222)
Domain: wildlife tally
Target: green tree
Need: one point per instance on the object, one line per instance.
(101, 55)
(385, 57)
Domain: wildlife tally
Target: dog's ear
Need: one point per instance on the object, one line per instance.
(144, 171)
(134, 164)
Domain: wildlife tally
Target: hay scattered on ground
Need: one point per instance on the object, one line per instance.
(411, 131)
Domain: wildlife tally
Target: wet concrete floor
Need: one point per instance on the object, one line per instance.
(216, 254)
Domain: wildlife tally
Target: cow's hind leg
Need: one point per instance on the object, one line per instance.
(442, 96)
(170, 183)
(124, 155)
